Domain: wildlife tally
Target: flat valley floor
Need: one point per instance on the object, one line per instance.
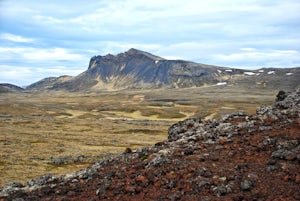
(61, 132)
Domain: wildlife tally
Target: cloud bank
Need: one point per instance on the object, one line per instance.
(50, 38)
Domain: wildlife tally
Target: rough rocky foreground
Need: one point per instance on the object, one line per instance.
(237, 157)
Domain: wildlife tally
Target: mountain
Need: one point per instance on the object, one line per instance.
(9, 88)
(136, 69)
(237, 157)
(142, 70)
(271, 78)
(47, 83)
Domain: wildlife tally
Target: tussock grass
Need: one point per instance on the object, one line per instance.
(37, 127)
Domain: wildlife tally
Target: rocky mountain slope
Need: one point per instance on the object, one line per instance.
(139, 69)
(50, 81)
(237, 157)
(9, 88)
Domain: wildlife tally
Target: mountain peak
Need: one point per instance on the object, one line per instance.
(133, 51)
(139, 69)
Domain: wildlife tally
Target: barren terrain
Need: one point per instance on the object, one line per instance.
(60, 132)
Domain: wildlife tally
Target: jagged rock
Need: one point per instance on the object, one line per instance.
(281, 154)
(219, 190)
(246, 185)
(18, 199)
(210, 160)
(158, 160)
(281, 96)
(15, 185)
(10, 188)
(263, 110)
(269, 141)
(183, 127)
(290, 101)
(272, 168)
(290, 144)
(41, 180)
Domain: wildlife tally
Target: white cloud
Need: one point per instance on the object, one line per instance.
(247, 49)
(38, 54)
(18, 75)
(231, 54)
(24, 75)
(219, 32)
(48, 20)
(260, 58)
(172, 57)
(59, 70)
(51, 54)
(200, 51)
(118, 47)
(258, 55)
(15, 38)
(15, 62)
(13, 71)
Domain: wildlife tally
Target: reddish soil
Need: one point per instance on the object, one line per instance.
(259, 161)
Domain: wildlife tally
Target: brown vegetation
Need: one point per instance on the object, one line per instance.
(62, 132)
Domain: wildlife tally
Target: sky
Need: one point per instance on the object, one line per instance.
(45, 38)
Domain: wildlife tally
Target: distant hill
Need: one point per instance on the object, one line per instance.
(9, 88)
(142, 70)
(47, 83)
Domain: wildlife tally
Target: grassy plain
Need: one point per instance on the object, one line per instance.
(61, 132)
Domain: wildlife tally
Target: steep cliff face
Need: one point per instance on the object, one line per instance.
(142, 70)
(138, 69)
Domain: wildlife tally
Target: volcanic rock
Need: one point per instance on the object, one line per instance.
(194, 163)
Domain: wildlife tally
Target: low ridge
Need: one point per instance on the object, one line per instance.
(9, 88)
(47, 83)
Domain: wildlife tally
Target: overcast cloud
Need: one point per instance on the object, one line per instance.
(42, 38)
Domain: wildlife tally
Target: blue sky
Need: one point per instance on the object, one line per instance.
(43, 38)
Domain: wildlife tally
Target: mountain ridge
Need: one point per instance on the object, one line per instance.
(10, 88)
(137, 69)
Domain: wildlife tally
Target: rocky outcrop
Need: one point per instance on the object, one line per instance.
(237, 157)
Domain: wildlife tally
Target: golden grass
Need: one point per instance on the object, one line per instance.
(38, 129)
